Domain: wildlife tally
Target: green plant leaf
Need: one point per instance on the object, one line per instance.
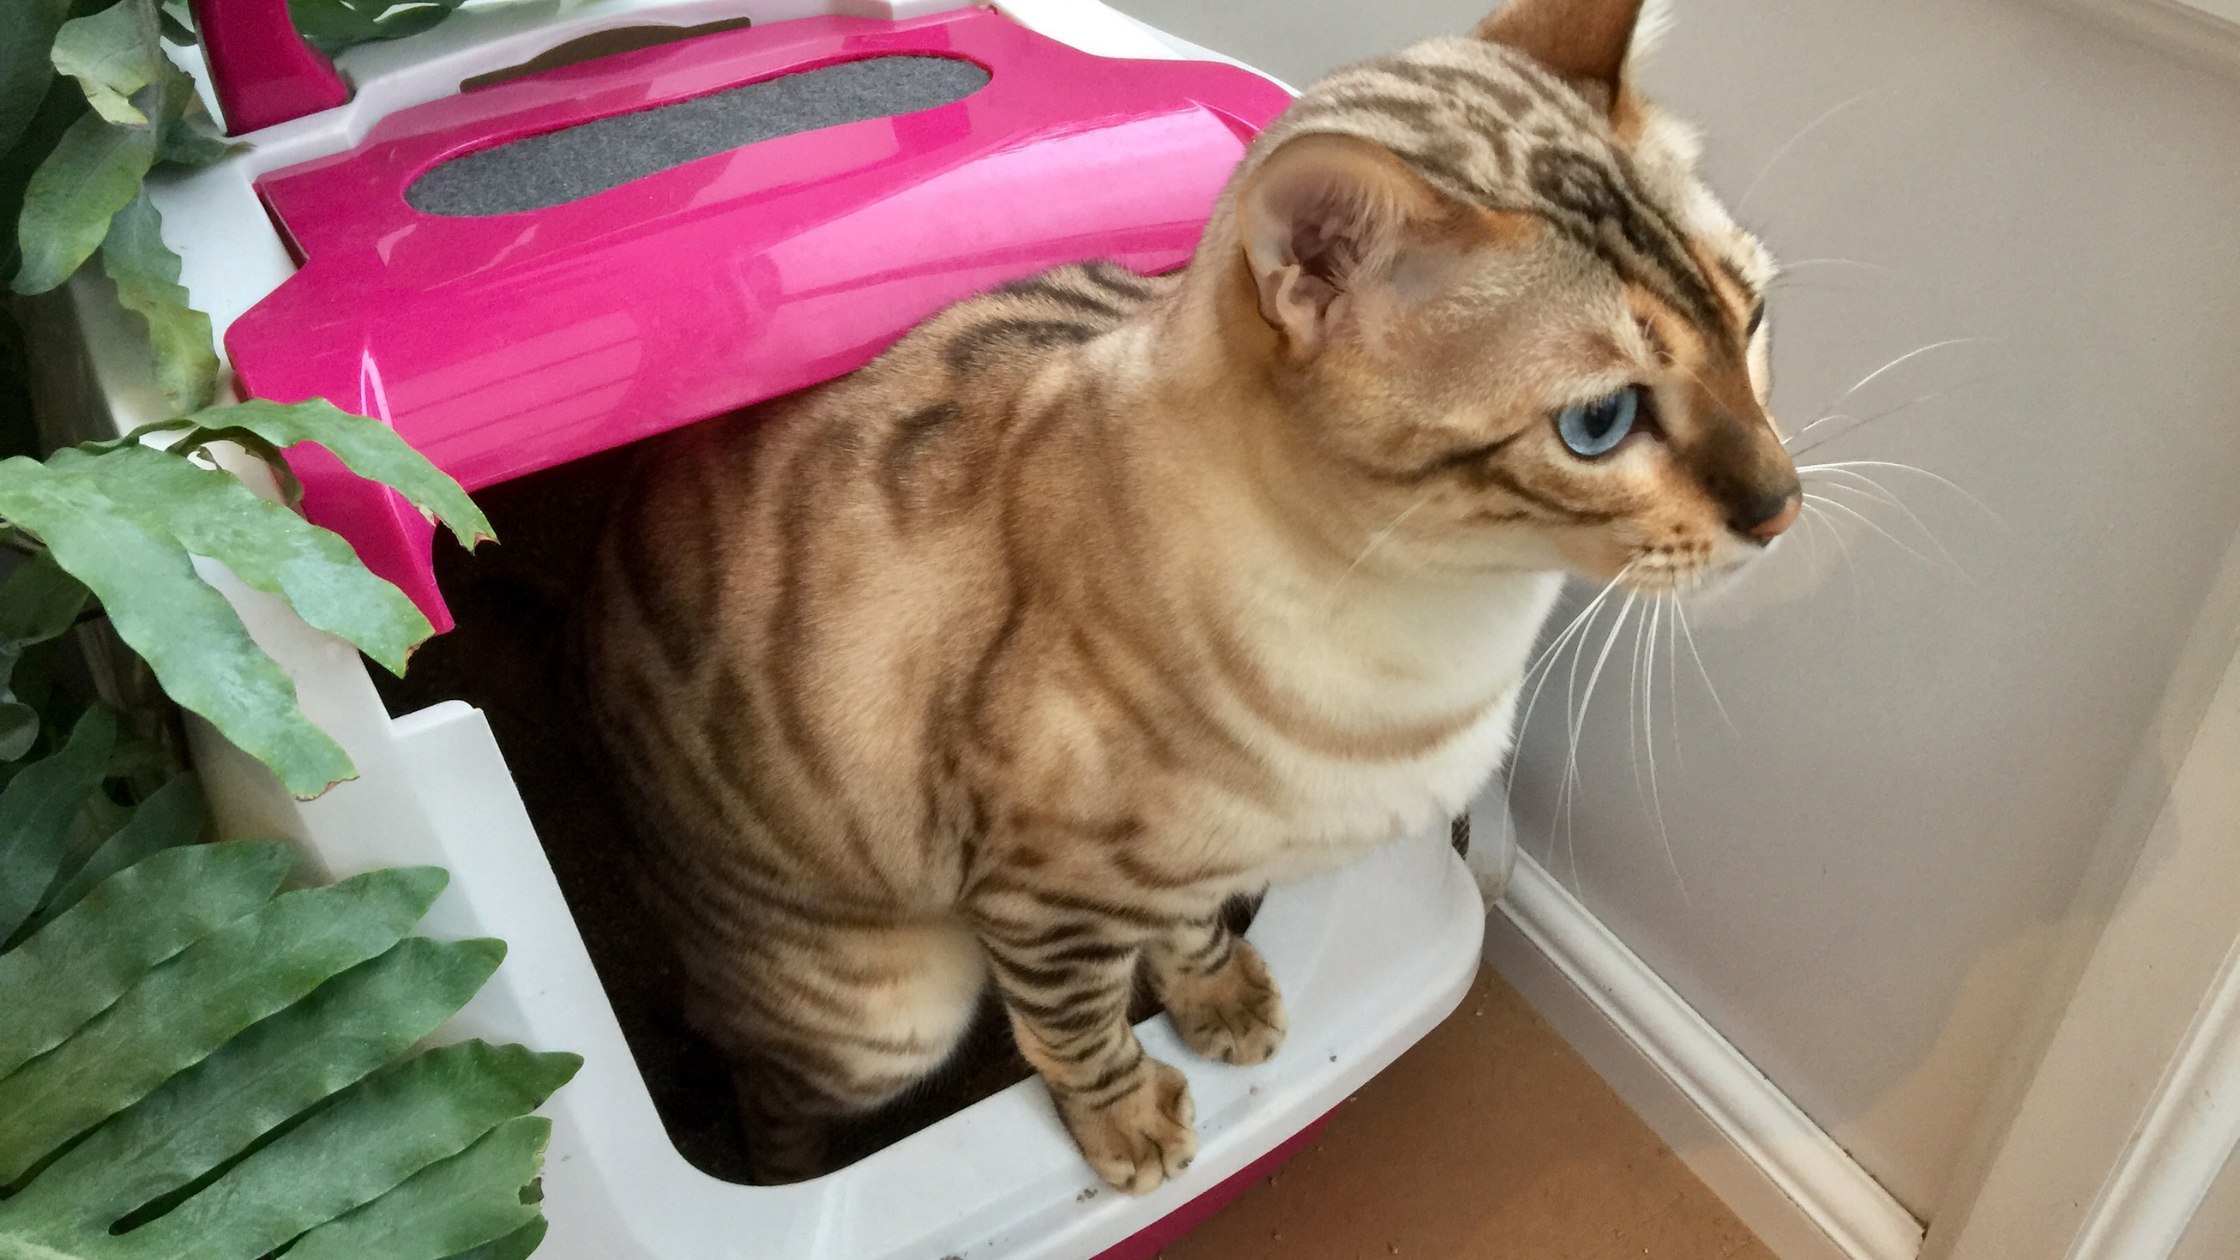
(62, 106)
(333, 25)
(186, 133)
(146, 273)
(472, 1198)
(93, 172)
(514, 1246)
(39, 601)
(113, 54)
(368, 1140)
(187, 632)
(35, 812)
(98, 818)
(221, 984)
(71, 969)
(19, 722)
(272, 549)
(25, 65)
(273, 1072)
(173, 815)
(367, 447)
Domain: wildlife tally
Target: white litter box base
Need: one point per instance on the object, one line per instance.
(1370, 958)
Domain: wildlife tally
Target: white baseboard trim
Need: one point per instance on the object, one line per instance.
(1788, 1181)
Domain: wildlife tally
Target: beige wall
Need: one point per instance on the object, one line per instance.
(1925, 752)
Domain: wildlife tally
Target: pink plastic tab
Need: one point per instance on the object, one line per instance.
(504, 344)
(262, 70)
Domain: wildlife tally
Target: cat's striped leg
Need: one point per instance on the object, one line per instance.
(1217, 990)
(1066, 980)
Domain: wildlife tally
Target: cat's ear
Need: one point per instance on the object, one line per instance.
(1323, 215)
(1586, 41)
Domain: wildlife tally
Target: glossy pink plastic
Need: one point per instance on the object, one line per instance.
(262, 70)
(504, 344)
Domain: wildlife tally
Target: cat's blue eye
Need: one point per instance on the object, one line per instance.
(1595, 428)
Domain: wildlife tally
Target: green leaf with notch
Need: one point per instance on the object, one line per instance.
(514, 1246)
(146, 273)
(113, 54)
(185, 630)
(472, 1198)
(267, 546)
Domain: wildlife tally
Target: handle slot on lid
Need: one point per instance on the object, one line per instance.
(558, 167)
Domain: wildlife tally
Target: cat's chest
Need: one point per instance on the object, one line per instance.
(1337, 809)
(1418, 742)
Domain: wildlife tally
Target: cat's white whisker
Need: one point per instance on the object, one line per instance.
(1578, 725)
(1861, 422)
(1788, 265)
(1813, 510)
(1649, 739)
(1878, 492)
(1825, 117)
(1687, 630)
(1871, 377)
(1672, 677)
(1869, 522)
(1947, 482)
(1376, 540)
(1574, 634)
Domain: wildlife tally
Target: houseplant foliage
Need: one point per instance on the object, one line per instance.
(193, 1063)
(195, 1067)
(90, 104)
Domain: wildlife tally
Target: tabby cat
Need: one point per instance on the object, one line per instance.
(1103, 598)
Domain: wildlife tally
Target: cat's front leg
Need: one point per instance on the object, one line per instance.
(1066, 981)
(1218, 992)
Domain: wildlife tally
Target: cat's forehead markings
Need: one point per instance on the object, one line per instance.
(1487, 125)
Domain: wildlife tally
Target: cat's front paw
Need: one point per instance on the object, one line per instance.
(1142, 1137)
(1234, 1015)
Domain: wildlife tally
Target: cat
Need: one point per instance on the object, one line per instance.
(1102, 598)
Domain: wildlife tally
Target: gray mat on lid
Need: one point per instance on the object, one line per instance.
(561, 166)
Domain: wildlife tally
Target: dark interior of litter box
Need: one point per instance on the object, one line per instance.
(508, 657)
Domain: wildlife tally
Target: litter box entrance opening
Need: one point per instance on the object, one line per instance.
(557, 167)
(509, 656)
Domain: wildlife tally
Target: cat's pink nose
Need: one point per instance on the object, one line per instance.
(1767, 530)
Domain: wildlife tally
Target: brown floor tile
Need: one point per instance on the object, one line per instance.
(1489, 1140)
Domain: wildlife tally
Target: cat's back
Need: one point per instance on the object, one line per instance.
(775, 582)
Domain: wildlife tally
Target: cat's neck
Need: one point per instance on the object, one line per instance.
(1273, 554)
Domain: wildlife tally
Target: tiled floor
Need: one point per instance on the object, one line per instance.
(1490, 1140)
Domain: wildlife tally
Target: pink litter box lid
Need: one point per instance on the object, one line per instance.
(500, 344)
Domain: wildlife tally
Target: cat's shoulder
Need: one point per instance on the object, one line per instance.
(1011, 330)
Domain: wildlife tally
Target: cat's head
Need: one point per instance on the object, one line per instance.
(1486, 282)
